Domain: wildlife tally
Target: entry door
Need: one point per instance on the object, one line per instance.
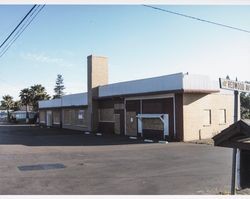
(122, 123)
(119, 122)
(132, 109)
(49, 118)
(131, 123)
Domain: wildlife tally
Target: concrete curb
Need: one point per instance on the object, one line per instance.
(163, 142)
(147, 140)
(18, 125)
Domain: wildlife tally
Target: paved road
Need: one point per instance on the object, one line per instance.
(107, 165)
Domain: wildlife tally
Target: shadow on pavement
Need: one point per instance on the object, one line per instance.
(36, 136)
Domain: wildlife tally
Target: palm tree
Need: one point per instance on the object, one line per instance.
(38, 92)
(7, 103)
(16, 105)
(25, 98)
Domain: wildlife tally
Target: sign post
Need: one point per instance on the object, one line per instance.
(237, 87)
(236, 103)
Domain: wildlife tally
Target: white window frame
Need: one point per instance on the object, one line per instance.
(210, 117)
(225, 116)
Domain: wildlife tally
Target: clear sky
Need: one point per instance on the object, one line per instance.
(140, 42)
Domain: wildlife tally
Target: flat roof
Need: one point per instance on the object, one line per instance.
(179, 82)
(174, 82)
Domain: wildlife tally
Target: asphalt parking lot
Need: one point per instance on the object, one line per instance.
(90, 164)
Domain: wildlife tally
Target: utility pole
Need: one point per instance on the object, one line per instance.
(237, 87)
(236, 102)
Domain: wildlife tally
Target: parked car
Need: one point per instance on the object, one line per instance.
(3, 114)
(20, 117)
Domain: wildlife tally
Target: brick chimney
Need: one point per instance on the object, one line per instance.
(97, 76)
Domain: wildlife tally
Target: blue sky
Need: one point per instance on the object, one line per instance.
(140, 42)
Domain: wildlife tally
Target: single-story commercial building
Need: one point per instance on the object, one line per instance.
(179, 107)
(68, 112)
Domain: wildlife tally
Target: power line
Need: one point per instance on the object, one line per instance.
(20, 31)
(18, 26)
(7, 45)
(16, 35)
(196, 18)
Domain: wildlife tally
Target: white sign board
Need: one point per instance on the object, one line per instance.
(234, 85)
(80, 114)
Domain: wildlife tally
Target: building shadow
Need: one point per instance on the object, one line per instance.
(193, 98)
(36, 136)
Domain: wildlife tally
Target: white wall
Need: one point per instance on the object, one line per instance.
(194, 105)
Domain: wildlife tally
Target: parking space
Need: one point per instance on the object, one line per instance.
(36, 136)
(55, 161)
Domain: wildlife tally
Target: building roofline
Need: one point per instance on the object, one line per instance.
(141, 94)
(171, 83)
(97, 56)
(141, 79)
(208, 91)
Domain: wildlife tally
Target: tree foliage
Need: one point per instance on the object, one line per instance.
(59, 87)
(16, 105)
(25, 96)
(7, 103)
(31, 96)
(38, 93)
(245, 105)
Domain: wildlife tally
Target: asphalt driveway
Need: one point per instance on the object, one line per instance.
(90, 164)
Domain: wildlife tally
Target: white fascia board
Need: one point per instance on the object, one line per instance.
(79, 99)
(54, 103)
(226, 92)
(155, 84)
(199, 82)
